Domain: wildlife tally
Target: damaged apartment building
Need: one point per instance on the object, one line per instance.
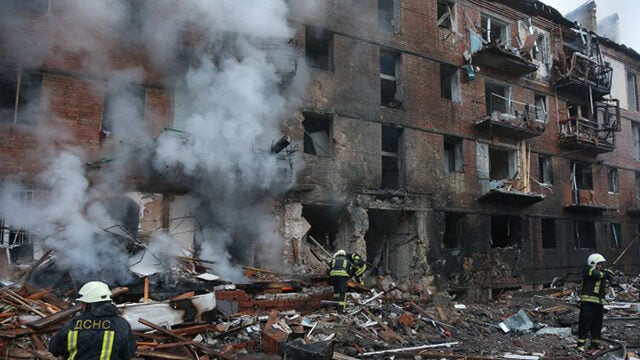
(468, 145)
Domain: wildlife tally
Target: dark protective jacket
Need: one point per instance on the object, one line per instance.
(339, 266)
(358, 267)
(99, 333)
(594, 284)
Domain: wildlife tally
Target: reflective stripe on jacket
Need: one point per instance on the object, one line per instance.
(593, 285)
(339, 266)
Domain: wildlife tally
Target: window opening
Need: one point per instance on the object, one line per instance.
(612, 176)
(497, 97)
(453, 155)
(453, 230)
(319, 48)
(494, 30)
(446, 14)
(584, 235)
(616, 240)
(635, 134)
(541, 107)
(317, 134)
(582, 177)
(546, 169)
(449, 82)
(388, 16)
(391, 157)
(548, 233)
(506, 231)
(632, 92)
(20, 95)
(390, 90)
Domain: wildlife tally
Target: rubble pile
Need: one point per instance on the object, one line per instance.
(274, 317)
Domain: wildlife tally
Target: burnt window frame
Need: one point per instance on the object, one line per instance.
(446, 14)
(18, 97)
(391, 157)
(584, 234)
(512, 231)
(632, 91)
(615, 234)
(314, 123)
(549, 233)
(582, 174)
(319, 48)
(389, 16)
(453, 230)
(391, 78)
(613, 181)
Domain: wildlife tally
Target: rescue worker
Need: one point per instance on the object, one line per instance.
(592, 300)
(358, 267)
(98, 333)
(339, 274)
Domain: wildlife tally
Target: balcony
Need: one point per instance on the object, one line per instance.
(582, 73)
(595, 134)
(496, 114)
(583, 201)
(493, 49)
(512, 190)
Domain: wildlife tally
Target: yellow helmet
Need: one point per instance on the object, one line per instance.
(93, 292)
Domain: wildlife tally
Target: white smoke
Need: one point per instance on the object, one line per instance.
(624, 8)
(229, 107)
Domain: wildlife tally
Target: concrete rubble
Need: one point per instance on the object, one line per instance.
(275, 316)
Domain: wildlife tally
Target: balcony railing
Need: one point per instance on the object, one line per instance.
(581, 72)
(507, 117)
(592, 135)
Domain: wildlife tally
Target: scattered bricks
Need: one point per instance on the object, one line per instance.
(272, 338)
(407, 319)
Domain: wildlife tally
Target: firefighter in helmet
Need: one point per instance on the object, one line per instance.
(339, 269)
(98, 333)
(358, 267)
(592, 300)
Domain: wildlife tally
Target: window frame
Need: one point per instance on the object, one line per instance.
(322, 38)
(318, 119)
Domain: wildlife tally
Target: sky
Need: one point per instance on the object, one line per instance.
(627, 11)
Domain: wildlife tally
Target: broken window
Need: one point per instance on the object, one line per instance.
(317, 134)
(577, 110)
(390, 241)
(546, 169)
(497, 97)
(319, 48)
(39, 7)
(637, 185)
(449, 82)
(635, 134)
(506, 231)
(446, 18)
(452, 230)
(494, 30)
(390, 89)
(541, 107)
(388, 16)
(453, 156)
(584, 233)
(18, 242)
(616, 235)
(632, 92)
(123, 105)
(612, 177)
(582, 178)
(502, 163)
(20, 95)
(548, 233)
(325, 222)
(391, 157)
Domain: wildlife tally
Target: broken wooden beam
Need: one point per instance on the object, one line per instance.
(47, 320)
(413, 348)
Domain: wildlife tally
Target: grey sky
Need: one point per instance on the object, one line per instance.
(627, 11)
